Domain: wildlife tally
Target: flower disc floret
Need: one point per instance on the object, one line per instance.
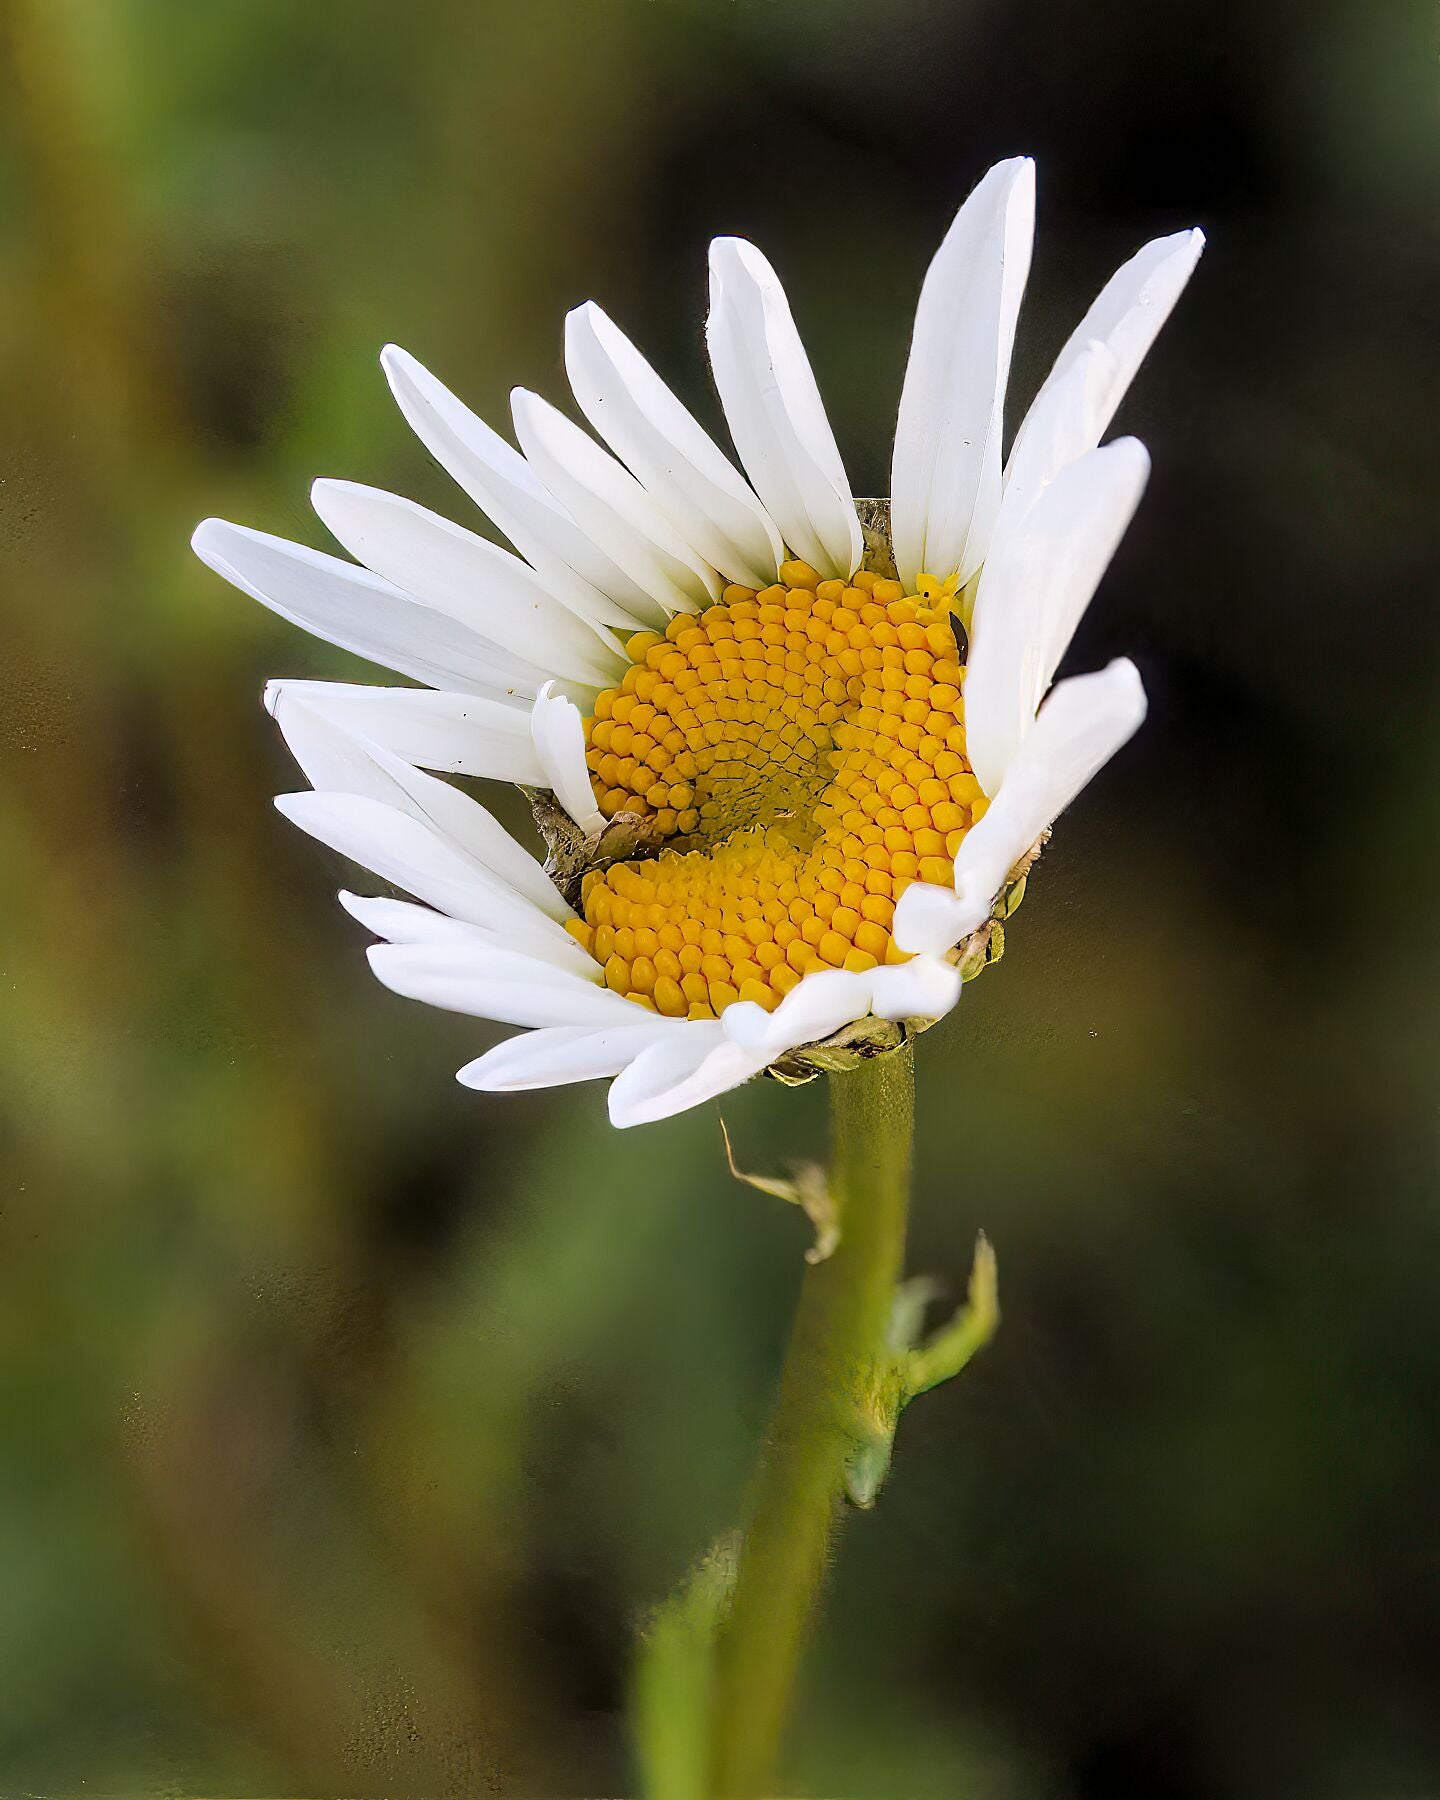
(796, 758)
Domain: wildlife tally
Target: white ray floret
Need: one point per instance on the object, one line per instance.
(357, 611)
(1126, 318)
(1080, 727)
(1059, 429)
(559, 734)
(610, 504)
(502, 484)
(675, 1074)
(403, 922)
(444, 566)
(1033, 593)
(338, 761)
(945, 478)
(488, 982)
(459, 734)
(774, 410)
(411, 855)
(690, 479)
(556, 1055)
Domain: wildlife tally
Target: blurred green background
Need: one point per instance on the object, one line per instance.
(350, 1422)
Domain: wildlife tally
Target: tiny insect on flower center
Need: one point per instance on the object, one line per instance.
(799, 755)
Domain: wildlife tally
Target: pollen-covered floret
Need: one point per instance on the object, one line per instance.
(799, 753)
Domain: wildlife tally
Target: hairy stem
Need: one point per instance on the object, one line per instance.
(836, 1356)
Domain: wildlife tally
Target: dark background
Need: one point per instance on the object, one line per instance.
(350, 1422)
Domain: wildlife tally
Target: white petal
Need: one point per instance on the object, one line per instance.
(559, 1054)
(1126, 318)
(495, 984)
(337, 760)
(611, 506)
(401, 850)
(775, 412)
(358, 611)
(680, 1072)
(461, 734)
(1080, 727)
(945, 481)
(923, 988)
(813, 1009)
(559, 734)
(402, 922)
(500, 482)
(1033, 592)
(688, 477)
(929, 918)
(485, 587)
(1060, 427)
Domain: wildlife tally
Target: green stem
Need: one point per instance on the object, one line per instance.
(836, 1356)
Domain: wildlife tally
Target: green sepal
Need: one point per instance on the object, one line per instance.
(975, 951)
(1010, 898)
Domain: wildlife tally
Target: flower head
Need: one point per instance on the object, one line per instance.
(789, 749)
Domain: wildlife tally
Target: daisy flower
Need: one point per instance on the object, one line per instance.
(792, 753)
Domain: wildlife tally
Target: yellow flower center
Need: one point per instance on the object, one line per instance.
(799, 753)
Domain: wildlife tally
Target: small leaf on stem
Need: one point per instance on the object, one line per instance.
(968, 1332)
